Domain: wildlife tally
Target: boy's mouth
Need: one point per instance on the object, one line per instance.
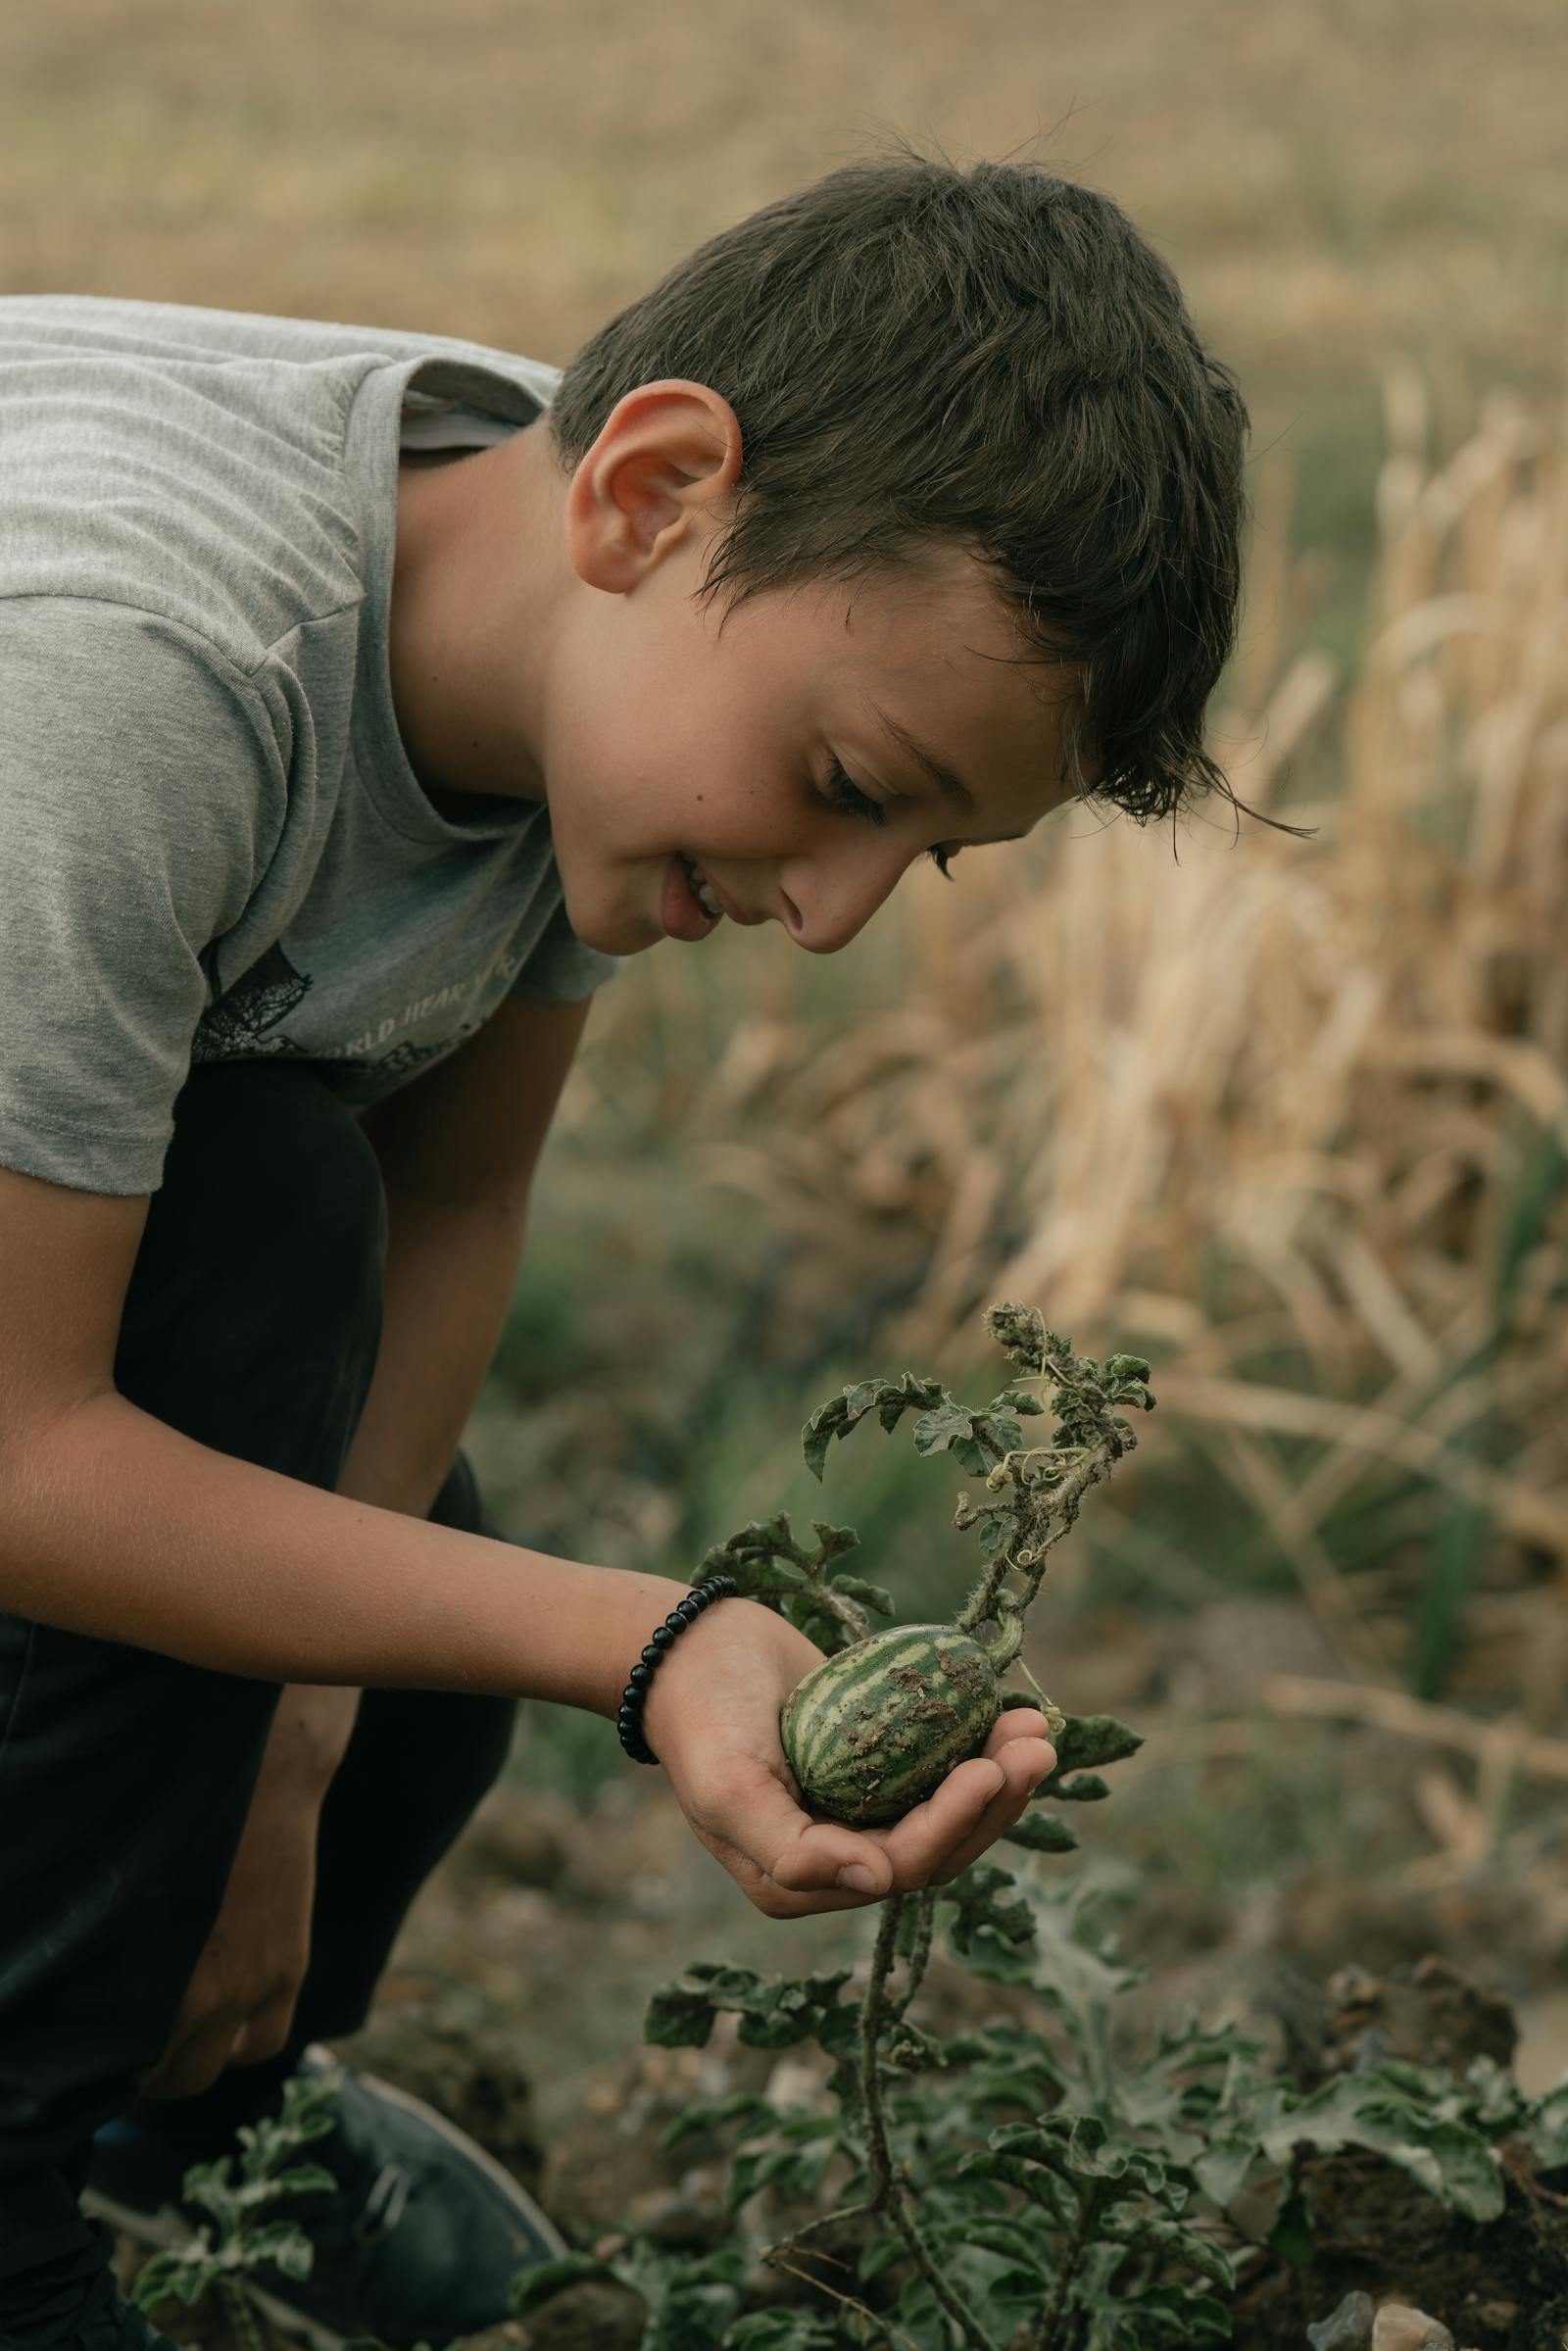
(687, 908)
(702, 888)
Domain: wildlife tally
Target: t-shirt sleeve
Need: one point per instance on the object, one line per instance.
(560, 970)
(140, 782)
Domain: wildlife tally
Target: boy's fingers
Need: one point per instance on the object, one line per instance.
(1023, 1770)
(185, 2072)
(831, 1867)
(1019, 1722)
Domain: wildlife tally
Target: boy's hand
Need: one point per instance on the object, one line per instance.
(239, 2004)
(711, 1718)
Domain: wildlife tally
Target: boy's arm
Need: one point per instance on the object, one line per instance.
(118, 1526)
(458, 1150)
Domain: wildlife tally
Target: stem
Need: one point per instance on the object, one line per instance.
(240, 2314)
(890, 2195)
(919, 1957)
(1087, 2215)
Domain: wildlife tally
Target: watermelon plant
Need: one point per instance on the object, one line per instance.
(1002, 2187)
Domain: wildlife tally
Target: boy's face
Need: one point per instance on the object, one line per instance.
(767, 750)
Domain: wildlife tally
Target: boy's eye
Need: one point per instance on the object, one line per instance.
(847, 796)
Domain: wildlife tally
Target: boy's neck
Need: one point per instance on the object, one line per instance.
(480, 569)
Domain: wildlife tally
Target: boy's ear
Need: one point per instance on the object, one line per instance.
(666, 461)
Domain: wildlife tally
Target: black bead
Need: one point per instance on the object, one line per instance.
(662, 1638)
(641, 1676)
(688, 1611)
(652, 1655)
(630, 1696)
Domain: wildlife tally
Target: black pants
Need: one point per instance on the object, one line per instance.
(251, 1324)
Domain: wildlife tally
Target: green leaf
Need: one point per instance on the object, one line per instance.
(1223, 2165)
(995, 1536)
(1016, 1399)
(936, 1431)
(1547, 2133)
(284, 2244)
(305, 2179)
(1088, 1789)
(182, 2276)
(879, 2253)
(678, 2015)
(1004, 2066)
(841, 1413)
(1019, 2240)
(1088, 1741)
(744, 2105)
(781, 2331)
(795, 2169)
(985, 1897)
(1065, 1962)
(1002, 1430)
(774, 2011)
(1449, 2161)
(869, 1596)
(1032, 2179)
(1290, 2232)
(1083, 2145)
(1041, 1833)
(1146, 2232)
(531, 2288)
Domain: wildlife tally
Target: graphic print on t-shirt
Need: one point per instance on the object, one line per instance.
(237, 1025)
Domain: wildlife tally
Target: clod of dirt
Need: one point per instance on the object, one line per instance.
(1398, 2328)
(1431, 2014)
(1348, 2328)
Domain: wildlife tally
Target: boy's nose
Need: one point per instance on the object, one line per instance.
(845, 897)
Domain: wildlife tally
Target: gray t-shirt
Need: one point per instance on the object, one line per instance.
(211, 844)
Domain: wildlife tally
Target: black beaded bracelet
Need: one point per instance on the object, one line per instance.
(629, 1721)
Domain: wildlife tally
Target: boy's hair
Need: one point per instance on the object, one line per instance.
(994, 359)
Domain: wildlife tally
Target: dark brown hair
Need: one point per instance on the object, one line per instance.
(993, 358)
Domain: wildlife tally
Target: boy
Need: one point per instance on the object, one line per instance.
(363, 697)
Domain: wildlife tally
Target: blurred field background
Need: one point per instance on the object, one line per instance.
(1291, 1117)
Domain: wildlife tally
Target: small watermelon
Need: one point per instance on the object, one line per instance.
(873, 1729)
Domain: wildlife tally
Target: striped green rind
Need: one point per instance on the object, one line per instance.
(874, 1730)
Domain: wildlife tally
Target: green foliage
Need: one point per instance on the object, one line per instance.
(1038, 2181)
(236, 2193)
(691, 2299)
